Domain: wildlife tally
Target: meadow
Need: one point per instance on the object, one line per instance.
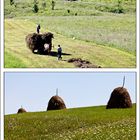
(92, 30)
(94, 123)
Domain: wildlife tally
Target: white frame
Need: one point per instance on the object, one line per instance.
(3, 70)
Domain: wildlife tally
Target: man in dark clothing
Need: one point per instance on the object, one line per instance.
(59, 52)
(38, 28)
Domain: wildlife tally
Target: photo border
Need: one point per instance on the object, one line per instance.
(3, 70)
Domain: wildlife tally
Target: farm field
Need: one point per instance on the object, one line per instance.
(95, 123)
(97, 33)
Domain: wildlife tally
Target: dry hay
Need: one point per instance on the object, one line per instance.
(78, 62)
(119, 98)
(21, 110)
(56, 103)
(36, 42)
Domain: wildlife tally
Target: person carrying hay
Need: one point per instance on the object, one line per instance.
(38, 28)
(59, 52)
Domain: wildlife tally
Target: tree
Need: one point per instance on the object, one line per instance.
(35, 7)
(120, 9)
(53, 4)
(11, 2)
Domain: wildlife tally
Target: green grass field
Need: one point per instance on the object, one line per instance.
(89, 123)
(105, 38)
(81, 7)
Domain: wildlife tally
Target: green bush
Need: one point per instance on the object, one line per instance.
(11, 2)
(35, 8)
(118, 10)
(112, 9)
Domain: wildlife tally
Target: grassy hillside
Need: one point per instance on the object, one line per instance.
(81, 7)
(18, 55)
(101, 35)
(90, 123)
(110, 30)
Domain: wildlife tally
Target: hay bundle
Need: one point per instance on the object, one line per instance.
(120, 98)
(21, 110)
(56, 103)
(37, 42)
(80, 63)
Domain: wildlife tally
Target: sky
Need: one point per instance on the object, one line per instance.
(32, 90)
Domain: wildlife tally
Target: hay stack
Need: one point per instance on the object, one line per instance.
(119, 98)
(56, 103)
(36, 42)
(21, 110)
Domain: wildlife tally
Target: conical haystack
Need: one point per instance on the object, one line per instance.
(120, 98)
(21, 110)
(56, 103)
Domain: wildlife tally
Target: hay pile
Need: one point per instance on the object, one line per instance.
(78, 62)
(56, 103)
(37, 42)
(119, 98)
(21, 110)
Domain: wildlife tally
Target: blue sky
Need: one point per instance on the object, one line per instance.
(32, 90)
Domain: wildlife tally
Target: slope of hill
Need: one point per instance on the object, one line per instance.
(104, 32)
(18, 55)
(88, 123)
(79, 7)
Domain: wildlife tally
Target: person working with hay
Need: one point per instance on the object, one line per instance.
(59, 52)
(38, 28)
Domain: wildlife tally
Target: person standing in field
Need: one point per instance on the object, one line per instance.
(59, 52)
(38, 28)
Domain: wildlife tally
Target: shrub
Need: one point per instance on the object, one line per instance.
(35, 8)
(68, 11)
(11, 2)
(53, 4)
(113, 9)
(44, 5)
